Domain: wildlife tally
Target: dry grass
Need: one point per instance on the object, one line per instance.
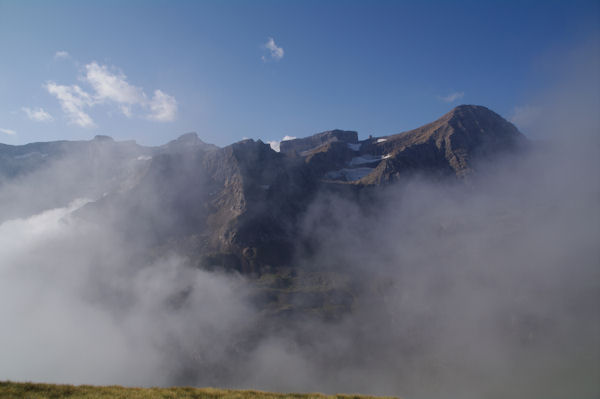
(50, 391)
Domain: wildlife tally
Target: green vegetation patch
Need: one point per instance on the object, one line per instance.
(31, 390)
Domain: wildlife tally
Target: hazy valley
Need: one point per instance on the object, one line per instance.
(451, 258)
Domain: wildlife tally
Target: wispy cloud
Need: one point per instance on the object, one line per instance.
(8, 131)
(110, 86)
(163, 107)
(73, 100)
(61, 54)
(274, 52)
(450, 98)
(38, 115)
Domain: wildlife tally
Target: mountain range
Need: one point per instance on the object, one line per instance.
(239, 207)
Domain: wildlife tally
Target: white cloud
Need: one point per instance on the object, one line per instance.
(72, 100)
(8, 131)
(163, 107)
(38, 115)
(61, 54)
(525, 115)
(275, 52)
(110, 86)
(276, 144)
(452, 97)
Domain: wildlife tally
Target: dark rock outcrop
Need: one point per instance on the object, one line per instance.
(299, 146)
(186, 142)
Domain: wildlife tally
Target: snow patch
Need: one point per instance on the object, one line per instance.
(381, 140)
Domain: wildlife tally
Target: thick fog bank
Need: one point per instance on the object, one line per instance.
(485, 288)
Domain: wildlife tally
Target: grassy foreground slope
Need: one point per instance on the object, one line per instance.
(31, 390)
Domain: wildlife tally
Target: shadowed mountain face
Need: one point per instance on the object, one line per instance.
(238, 207)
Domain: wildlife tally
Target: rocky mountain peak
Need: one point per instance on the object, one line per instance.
(238, 206)
(470, 116)
(101, 137)
(188, 138)
(186, 142)
(475, 109)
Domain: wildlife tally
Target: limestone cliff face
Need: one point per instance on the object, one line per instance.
(260, 194)
(450, 145)
(233, 207)
(249, 185)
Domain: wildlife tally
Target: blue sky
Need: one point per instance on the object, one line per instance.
(151, 70)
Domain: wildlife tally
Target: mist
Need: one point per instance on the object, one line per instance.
(487, 287)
